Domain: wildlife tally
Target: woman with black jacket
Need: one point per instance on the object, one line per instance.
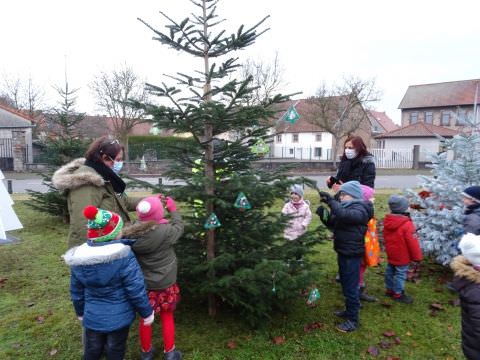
(356, 163)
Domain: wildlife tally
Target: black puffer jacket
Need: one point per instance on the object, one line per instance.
(360, 169)
(471, 221)
(467, 283)
(349, 224)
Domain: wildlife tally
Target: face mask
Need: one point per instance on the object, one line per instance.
(117, 166)
(350, 153)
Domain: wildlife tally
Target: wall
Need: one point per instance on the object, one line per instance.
(437, 115)
(427, 145)
(304, 148)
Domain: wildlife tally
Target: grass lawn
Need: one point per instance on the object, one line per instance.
(38, 322)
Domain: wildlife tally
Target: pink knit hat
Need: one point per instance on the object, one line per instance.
(151, 209)
(367, 192)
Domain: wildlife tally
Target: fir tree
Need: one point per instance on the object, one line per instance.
(439, 207)
(242, 259)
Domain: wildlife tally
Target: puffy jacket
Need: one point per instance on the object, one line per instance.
(360, 169)
(471, 221)
(401, 242)
(106, 285)
(467, 283)
(348, 221)
(301, 218)
(84, 186)
(153, 248)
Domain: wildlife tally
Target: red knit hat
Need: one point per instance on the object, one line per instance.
(151, 209)
(103, 225)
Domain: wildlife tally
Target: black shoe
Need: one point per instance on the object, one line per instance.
(368, 298)
(347, 326)
(405, 299)
(173, 355)
(341, 314)
(147, 355)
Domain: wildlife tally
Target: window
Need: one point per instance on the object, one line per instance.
(381, 144)
(290, 151)
(318, 137)
(429, 117)
(462, 117)
(445, 118)
(413, 117)
(295, 138)
(318, 152)
(279, 138)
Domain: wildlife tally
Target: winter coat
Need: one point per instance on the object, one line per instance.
(361, 169)
(467, 283)
(153, 248)
(106, 285)
(348, 221)
(84, 186)
(300, 220)
(401, 242)
(471, 221)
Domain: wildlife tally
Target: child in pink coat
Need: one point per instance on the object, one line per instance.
(299, 209)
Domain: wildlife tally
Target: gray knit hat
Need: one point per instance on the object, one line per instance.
(352, 188)
(297, 189)
(398, 204)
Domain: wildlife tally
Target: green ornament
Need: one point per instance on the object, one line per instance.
(242, 202)
(291, 116)
(260, 147)
(313, 296)
(212, 222)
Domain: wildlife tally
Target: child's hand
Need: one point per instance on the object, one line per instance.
(149, 320)
(170, 204)
(325, 197)
(80, 318)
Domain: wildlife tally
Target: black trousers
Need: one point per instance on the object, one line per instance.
(114, 343)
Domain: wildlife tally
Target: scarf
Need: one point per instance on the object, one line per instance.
(108, 175)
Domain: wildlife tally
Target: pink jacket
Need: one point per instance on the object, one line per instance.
(299, 223)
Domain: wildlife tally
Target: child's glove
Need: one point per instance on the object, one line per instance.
(325, 197)
(323, 213)
(149, 320)
(170, 205)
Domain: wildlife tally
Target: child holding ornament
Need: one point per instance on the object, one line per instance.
(299, 210)
(155, 237)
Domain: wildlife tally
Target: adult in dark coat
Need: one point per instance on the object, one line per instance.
(356, 163)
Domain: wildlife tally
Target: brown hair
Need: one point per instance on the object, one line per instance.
(358, 144)
(104, 145)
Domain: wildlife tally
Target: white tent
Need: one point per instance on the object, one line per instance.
(8, 218)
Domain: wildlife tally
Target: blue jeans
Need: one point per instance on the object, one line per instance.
(395, 277)
(115, 341)
(349, 271)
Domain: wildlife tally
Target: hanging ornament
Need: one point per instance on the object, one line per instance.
(274, 290)
(313, 296)
(260, 148)
(242, 202)
(212, 222)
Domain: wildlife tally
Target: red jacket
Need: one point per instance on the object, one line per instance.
(401, 242)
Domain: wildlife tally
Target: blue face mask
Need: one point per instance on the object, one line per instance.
(117, 166)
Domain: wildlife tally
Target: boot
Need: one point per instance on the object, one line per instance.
(365, 297)
(173, 355)
(148, 355)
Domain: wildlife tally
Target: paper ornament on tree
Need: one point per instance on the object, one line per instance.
(212, 222)
(242, 202)
(313, 296)
(260, 147)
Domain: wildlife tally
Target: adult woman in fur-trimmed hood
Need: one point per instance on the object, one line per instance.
(94, 180)
(467, 282)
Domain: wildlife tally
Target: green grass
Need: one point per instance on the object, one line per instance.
(38, 322)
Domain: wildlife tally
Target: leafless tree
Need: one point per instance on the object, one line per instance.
(22, 94)
(114, 90)
(341, 109)
(267, 78)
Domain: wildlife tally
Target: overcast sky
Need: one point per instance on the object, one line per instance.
(398, 43)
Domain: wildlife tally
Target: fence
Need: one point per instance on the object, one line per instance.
(393, 158)
(300, 153)
(6, 154)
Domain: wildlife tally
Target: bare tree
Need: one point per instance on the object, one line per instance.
(22, 94)
(114, 92)
(267, 79)
(341, 109)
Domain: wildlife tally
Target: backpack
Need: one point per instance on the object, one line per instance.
(372, 246)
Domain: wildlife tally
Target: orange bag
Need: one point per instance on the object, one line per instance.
(372, 246)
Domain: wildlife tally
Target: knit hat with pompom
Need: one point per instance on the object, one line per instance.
(103, 225)
(151, 209)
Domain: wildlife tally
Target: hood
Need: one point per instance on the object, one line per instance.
(462, 268)
(138, 229)
(368, 158)
(393, 221)
(96, 266)
(76, 174)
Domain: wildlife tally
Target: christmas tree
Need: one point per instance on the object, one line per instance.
(438, 207)
(230, 256)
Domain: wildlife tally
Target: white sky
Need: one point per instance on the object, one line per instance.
(399, 43)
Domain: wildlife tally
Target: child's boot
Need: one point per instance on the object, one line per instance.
(366, 297)
(173, 355)
(148, 355)
(403, 298)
